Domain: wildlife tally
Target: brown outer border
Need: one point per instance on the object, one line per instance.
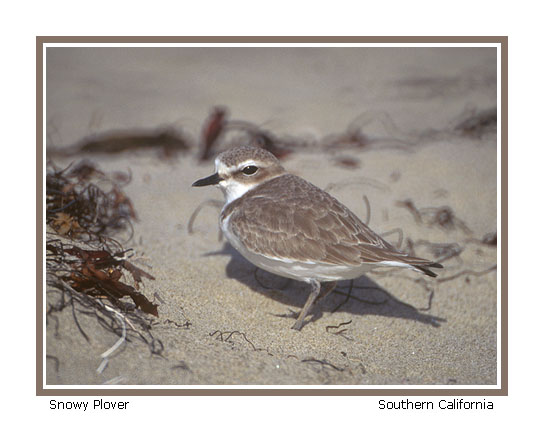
(502, 40)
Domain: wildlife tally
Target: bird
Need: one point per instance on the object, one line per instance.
(287, 226)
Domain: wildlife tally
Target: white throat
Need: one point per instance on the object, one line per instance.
(231, 188)
(234, 189)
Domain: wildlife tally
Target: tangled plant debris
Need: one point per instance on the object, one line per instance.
(78, 208)
(167, 141)
(476, 124)
(98, 272)
(443, 217)
(217, 125)
(369, 131)
(88, 268)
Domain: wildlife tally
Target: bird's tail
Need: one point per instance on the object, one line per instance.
(425, 268)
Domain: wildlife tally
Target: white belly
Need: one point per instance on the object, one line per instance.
(298, 270)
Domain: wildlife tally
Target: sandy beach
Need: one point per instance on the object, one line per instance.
(221, 322)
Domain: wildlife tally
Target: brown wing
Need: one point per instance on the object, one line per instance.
(304, 223)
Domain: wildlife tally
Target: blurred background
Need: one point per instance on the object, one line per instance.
(307, 93)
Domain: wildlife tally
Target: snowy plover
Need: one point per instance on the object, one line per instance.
(289, 227)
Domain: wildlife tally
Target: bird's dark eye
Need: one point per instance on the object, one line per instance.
(250, 169)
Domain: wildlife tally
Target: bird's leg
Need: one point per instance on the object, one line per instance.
(326, 289)
(316, 287)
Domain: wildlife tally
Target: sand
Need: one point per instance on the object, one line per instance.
(407, 101)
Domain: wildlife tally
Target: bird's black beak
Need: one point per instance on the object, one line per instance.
(207, 181)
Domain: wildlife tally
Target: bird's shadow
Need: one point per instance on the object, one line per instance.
(361, 296)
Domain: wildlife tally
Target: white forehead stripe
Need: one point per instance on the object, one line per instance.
(246, 163)
(221, 168)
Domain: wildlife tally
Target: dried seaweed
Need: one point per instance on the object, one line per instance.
(226, 336)
(80, 303)
(353, 138)
(221, 337)
(347, 162)
(211, 202)
(367, 181)
(476, 124)
(85, 263)
(337, 326)
(425, 283)
(440, 251)
(78, 208)
(217, 125)
(489, 239)
(467, 272)
(213, 127)
(409, 205)
(166, 141)
(370, 130)
(97, 273)
(398, 231)
(186, 325)
(443, 216)
(340, 332)
(323, 363)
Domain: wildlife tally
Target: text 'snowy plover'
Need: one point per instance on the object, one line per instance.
(287, 226)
